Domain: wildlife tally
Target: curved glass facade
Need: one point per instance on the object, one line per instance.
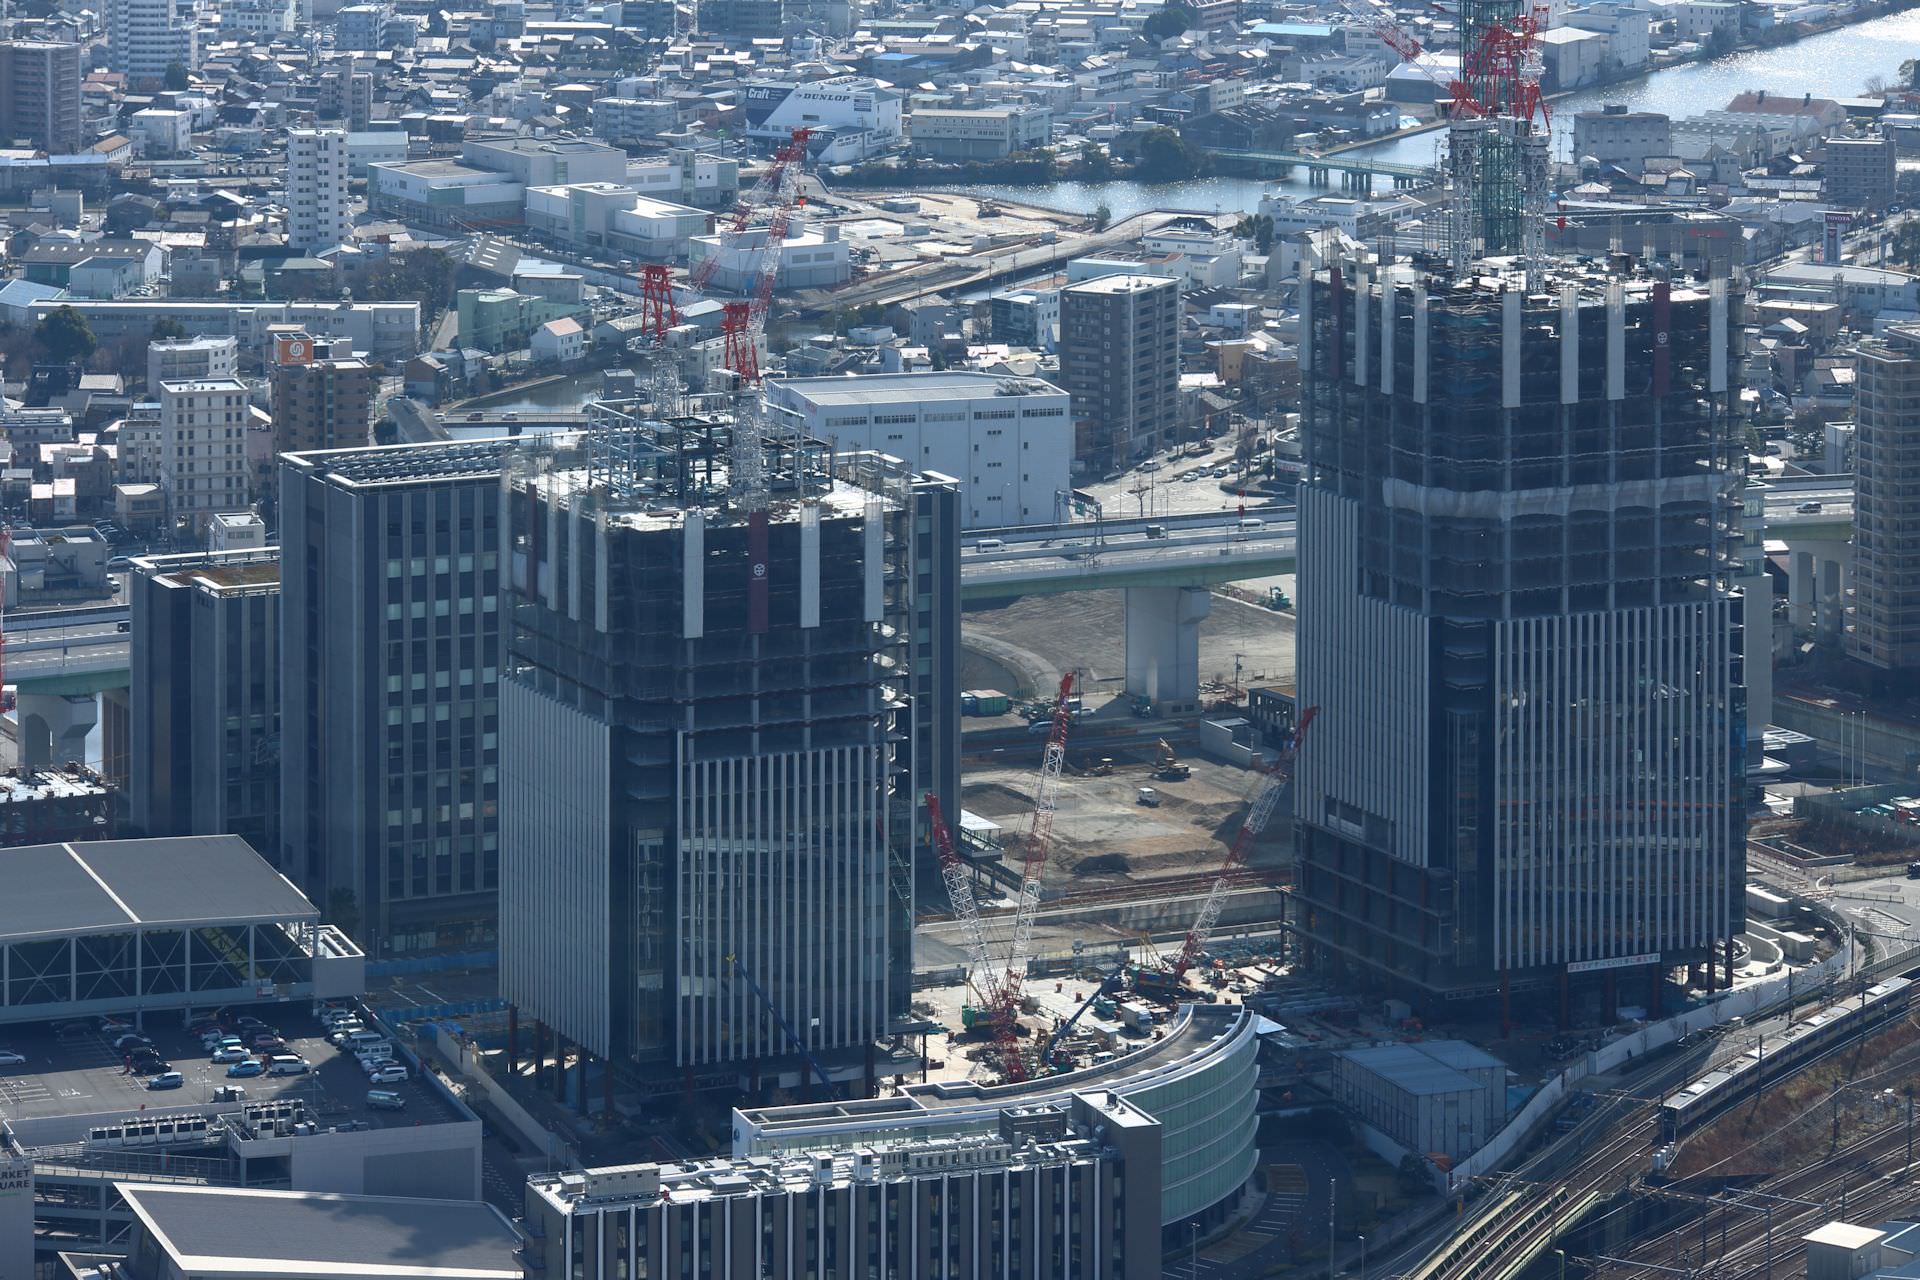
(1198, 1081)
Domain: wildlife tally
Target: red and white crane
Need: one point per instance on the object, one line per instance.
(777, 195)
(1259, 812)
(1000, 991)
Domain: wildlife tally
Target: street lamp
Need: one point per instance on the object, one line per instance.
(1363, 1258)
(1193, 1250)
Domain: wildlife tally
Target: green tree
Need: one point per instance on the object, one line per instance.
(1910, 72)
(1258, 228)
(1095, 164)
(1102, 215)
(167, 328)
(1165, 157)
(1167, 22)
(62, 337)
(177, 80)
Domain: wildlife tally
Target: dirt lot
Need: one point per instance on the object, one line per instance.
(1023, 648)
(1103, 838)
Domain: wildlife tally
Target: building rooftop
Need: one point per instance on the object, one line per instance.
(889, 387)
(197, 386)
(1844, 1235)
(17, 787)
(1120, 283)
(406, 463)
(56, 890)
(1408, 1069)
(267, 1235)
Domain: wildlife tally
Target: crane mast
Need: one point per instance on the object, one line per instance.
(1259, 812)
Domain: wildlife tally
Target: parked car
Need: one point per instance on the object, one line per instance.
(371, 1065)
(114, 1026)
(242, 1070)
(8, 1058)
(167, 1080)
(392, 1073)
(229, 1053)
(288, 1065)
(267, 1040)
(385, 1100)
(130, 1040)
(344, 1032)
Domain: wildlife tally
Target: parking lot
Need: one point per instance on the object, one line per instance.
(82, 1079)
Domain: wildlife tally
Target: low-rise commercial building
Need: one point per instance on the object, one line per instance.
(613, 216)
(545, 162)
(810, 258)
(687, 177)
(497, 320)
(1008, 440)
(182, 359)
(445, 194)
(1440, 1097)
(1614, 135)
(988, 133)
(629, 121)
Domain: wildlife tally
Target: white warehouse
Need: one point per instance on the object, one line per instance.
(1444, 1097)
(774, 109)
(608, 215)
(1009, 440)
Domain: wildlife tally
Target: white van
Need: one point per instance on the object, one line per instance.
(990, 544)
(287, 1064)
(378, 1049)
(364, 1036)
(1251, 523)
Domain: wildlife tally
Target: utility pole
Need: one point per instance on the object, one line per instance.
(1769, 1242)
(1332, 1205)
(1909, 1126)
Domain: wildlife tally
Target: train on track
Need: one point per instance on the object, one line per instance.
(1805, 1040)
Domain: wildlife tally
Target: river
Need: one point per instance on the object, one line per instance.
(1834, 63)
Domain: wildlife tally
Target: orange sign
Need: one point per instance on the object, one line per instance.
(293, 349)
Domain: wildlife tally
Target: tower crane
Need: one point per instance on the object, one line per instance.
(1266, 798)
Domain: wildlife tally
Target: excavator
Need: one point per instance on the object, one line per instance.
(1166, 763)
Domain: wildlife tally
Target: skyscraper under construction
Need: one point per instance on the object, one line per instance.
(1518, 531)
(707, 812)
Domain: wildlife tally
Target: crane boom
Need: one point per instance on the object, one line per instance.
(960, 895)
(769, 190)
(1040, 834)
(1259, 812)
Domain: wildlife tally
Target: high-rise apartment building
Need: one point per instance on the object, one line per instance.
(1886, 506)
(205, 696)
(1518, 531)
(319, 215)
(1120, 361)
(707, 788)
(322, 395)
(144, 39)
(389, 671)
(1860, 172)
(191, 359)
(40, 94)
(203, 449)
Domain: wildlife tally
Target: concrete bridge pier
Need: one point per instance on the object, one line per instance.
(1820, 572)
(1163, 645)
(54, 728)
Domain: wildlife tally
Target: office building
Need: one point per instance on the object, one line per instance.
(1885, 635)
(1518, 529)
(319, 215)
(1120, 361)
(362, 28)
(191, 360)
(40, 95)
(1067, 1189)
(390, 734)
(322, 395)
(203, 460)
(205, 696)
(706, 799)
(143, 40)
(1860, 172)
(1008, 440)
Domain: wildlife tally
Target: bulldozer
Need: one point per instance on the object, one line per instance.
(1166, 763)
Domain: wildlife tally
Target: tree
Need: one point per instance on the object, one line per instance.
(1257, 227)
(1910, 73)
(1167, 22)
(177, 80)
(343, 912)
(1102, 215)
(1165, 157)
(165, 329)
(1095, 164)
(62, 337)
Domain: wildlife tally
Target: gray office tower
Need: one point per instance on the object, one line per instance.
(204, 694)
(390, 662)
(1518, 529)
(708, 804)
